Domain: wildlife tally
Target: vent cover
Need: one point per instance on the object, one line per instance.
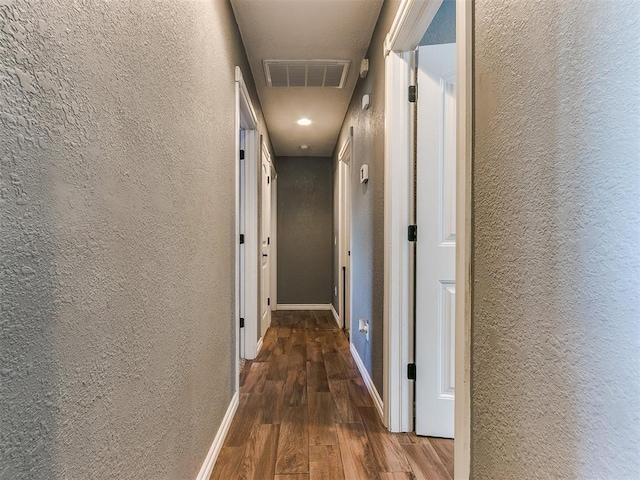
(306, 73)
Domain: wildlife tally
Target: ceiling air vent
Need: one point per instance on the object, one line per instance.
(306, 73)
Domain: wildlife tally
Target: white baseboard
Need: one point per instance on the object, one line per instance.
(259, 345)
(335, 315)
(304, 306)
(216, 446)
(377, 401)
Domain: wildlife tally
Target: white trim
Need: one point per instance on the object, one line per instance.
(265, 165)
(409, 25)
(273, 251)
(346, 144)
(259, 345)
(335, 315)
(246, 107)
(246, 120)
(464, 176)
(236, 251)
(373, 391)
(304, 306)
(398, 402)
(216, 446)
(251, 261)
(345, 160)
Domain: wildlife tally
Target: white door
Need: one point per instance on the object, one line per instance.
(265, 242)
(436, 243)
(345, 239)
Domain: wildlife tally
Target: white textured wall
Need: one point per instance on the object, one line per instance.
(556, 263)
(116, 235)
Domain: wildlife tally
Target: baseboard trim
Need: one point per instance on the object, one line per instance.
(259, 345)
(216, 446)
(304, 306)
(335, 315)
(368, 381)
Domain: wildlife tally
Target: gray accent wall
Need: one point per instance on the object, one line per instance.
(117, 329)
(367, 235)
(556, 241)
(442, 28)
(305, 237)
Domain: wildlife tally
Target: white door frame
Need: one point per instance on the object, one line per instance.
(344, 157)
(411, 21)
(266, 216)
(273, 259)
(397, 393)
(246, 119)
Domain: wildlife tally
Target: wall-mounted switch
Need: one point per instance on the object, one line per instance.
(364, 173)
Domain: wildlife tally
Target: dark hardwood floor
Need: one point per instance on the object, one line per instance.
(306, 414)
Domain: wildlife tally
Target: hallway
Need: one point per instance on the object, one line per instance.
(305, 413)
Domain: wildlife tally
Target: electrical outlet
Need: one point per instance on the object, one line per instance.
(363, 326)
(335, 291)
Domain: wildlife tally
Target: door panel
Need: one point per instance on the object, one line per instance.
(265, 243)
(435, 248)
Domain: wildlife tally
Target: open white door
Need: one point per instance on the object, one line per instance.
(436, 244)
(344, 252)
(265, 242)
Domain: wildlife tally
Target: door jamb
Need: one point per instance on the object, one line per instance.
(398, 398)
(409, 25)
(464, 232)
(246, 119)
(265, 152)
(273, 259)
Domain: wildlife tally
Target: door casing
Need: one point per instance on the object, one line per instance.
(246, 282)
(411, 21)
(266, 301)
(344, 232)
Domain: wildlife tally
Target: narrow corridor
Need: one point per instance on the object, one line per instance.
(305, 414)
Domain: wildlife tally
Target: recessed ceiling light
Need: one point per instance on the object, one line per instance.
(304, 121)
(304, 147)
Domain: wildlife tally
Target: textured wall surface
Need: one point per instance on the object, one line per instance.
(556, 285)
(116, 235)
(305, 203)
(367, 231)
(442, 28)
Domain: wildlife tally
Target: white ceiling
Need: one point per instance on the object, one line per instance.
(305, 30)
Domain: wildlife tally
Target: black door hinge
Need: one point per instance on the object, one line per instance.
(268, 180)
(413, 233)
(411, 371)
(241, 322)
(241, 154)
(413, 93)
(241, 238)
(268, 240)
(268, 301)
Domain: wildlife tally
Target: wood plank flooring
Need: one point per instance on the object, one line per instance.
(305, 414)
